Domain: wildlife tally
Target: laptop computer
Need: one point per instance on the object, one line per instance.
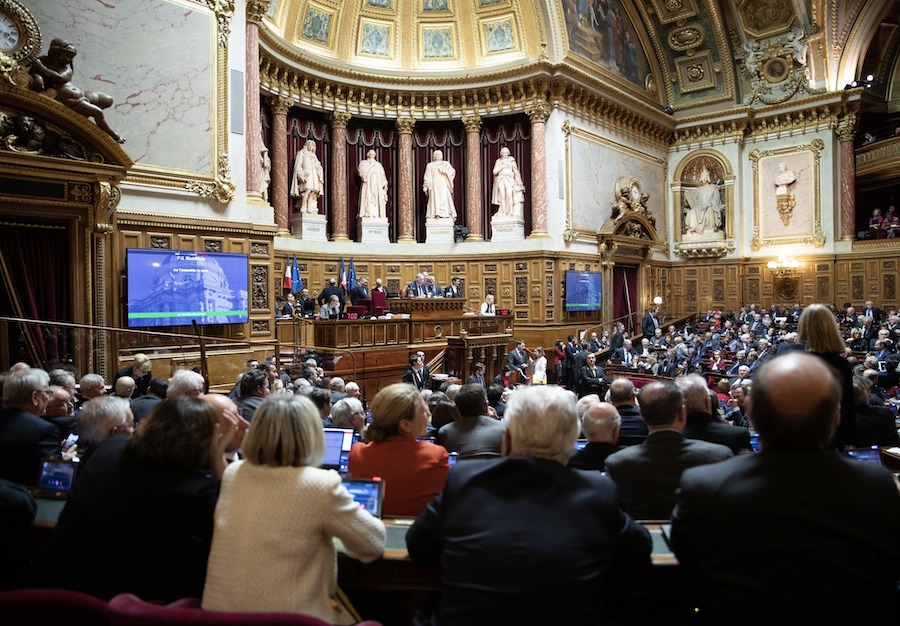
(338, 442)
(866, 455)
(369, 494)
(580, 444)
(55, 478)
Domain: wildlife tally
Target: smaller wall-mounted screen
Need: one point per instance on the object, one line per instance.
(584, 291)
(177, 287)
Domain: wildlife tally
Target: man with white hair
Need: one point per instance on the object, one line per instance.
(699, 420)
(100, 419)
(25, 438)
(91, 386)
(336, 387)
(600, 425)
(348, 413)
(493, 512)
(185, 383)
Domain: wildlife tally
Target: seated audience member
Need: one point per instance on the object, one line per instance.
(156, 393)
(336, 387)
(737, 406)
(625, 355)
(417, 288)
(633, 429)
(478, 375)
(487, 307)
(25, 438)
(65, 379)
(413, 471)
(647, 474)
(91, 386)
(474, 434)
(321, 398)
(502, 530)
(600, 425)
(123, 388)
(185, 383)
(100, 419)
(277, 513)
(304, 305)
(497, 396)
(17, 511)
(348, 413)
(254, 389)
(831, 524)
(60, 411)
(875, 425)
(139, 370)
(699, 421)
(331, 309)
(353, 391)
(142, 510)
(444, 412)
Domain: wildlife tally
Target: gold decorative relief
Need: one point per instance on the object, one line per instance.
(686, 37)
(695, 72)
(669, 11)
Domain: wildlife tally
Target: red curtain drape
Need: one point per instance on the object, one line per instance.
(450, 138)
(34, 267)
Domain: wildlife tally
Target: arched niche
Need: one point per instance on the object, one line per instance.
(704, 212)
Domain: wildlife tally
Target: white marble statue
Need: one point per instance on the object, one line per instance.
(373, 191)
(438, 186)
(265, 172)
(509, 190)
(783, 178)
(309, 178)
(706, 210)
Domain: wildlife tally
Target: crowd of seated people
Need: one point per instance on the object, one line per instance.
(230, 478)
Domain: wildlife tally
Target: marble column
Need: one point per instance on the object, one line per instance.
(280, 165)
(847, 135)
(474, 221)
(405, 180)
(255, 11)
(339, 121)
(538, 114)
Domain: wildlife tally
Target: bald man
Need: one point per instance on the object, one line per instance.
(796, 534)
(600, 424)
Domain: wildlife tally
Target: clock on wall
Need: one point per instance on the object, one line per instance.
(20, 37)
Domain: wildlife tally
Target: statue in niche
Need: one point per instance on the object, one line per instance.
(373, 191)
(265, 172)
(438, 186)
(706, 211)
(509, 190)
(308, 182)
(53, 73)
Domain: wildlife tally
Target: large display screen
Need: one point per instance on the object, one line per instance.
(584, 291)
(177, 287)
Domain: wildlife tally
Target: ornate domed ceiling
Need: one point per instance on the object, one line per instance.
(412, 35)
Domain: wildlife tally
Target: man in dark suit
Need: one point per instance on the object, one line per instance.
(25, 438)
(156, 393)
(650, 323)
(625, 355)
(874, 312)
(476, 527)
(633, 429)
(475, 434)
(454, 289)
(305, 306)
(415, 373)
(417, 288)
(331, 290)
(254, 389)
(592, 377)
(572, 348)
(360, 290)
(477, 376)
(518, 360)
(618, 337)
(700, 424)
(600, 424)
(831, 524)
(647, 474)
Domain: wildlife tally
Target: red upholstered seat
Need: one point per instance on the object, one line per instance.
(129, 610)
(52, 607)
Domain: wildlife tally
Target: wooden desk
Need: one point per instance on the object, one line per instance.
(428, 308)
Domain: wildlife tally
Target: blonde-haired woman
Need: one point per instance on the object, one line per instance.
(539, 367)
(413, 471)
(818, 330)
(488, 307)
(277, 513)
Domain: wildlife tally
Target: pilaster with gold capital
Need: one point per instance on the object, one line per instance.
(474, 220)
(280, 165)
(847, 134)
(253, 139)
(405, 180)
(538, 113)
(339, 120)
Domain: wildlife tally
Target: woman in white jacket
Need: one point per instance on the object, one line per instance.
(277, 517)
